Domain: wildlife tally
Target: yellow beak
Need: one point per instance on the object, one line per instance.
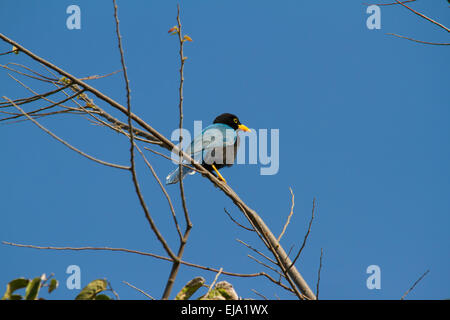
(244, 128)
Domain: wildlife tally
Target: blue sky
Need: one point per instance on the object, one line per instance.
(363, 120)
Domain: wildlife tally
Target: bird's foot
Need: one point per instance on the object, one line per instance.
(219, 176)
(222, 179)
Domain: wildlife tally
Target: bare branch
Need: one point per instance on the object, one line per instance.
(414, 285)
(387, 4)
(33, 98)
(38, 77)
(141, 291)
(237, 223)
(35, 112)
(307, 233)
(176, 264)
(7, 52)
(424, 16)
(64, 142)
(420, 41)
(257, 251)
(95, 77)
(318, 274)
(189, 264)
(280, 255)
(266, 265)
(163, 189)
(213, 283)
(259, 294)
(180, 106)
(43, 78)
(89, 88)
(289, 217)
(113, 291)
(132, 167)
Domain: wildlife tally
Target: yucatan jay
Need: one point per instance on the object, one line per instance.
(214, 148)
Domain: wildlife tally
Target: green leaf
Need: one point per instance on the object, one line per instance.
(92, 289)
(226, 290)
(32, 289)
(214, 294)
(102, 297)
(53, 285)
(222, 291)
(14, 285)
(190, 288)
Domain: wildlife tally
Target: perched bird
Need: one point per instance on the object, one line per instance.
(214, 148)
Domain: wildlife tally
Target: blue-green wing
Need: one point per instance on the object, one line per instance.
(214, 136)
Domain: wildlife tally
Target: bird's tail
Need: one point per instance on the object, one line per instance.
(174, 176)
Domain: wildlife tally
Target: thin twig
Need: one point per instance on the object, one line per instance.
(164, 141)
(127, 88)
(33, 98)
(53, 80)
(213, 283)
(266, 265)
(64, 142)
(259, 294)
(257, 251)
(95, 77)
(58, 103)
(118, 126)
(163, 189)
(420, 41)
(45, 97)
(44, 79)
(386, 4)
(180, 107)
(413, 286)
(237, 223)
(307, 233)
(41, 115)
(141, 291)
(318, 274)
(132, 167)
(289, 217)
(7, 52)
(183, 241)
(189, 264)
(280, 255)
(113, 291)
(424, 16)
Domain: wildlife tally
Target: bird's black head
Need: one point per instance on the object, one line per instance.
(231, 120)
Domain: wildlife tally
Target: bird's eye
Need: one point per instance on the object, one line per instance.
(235, 120)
